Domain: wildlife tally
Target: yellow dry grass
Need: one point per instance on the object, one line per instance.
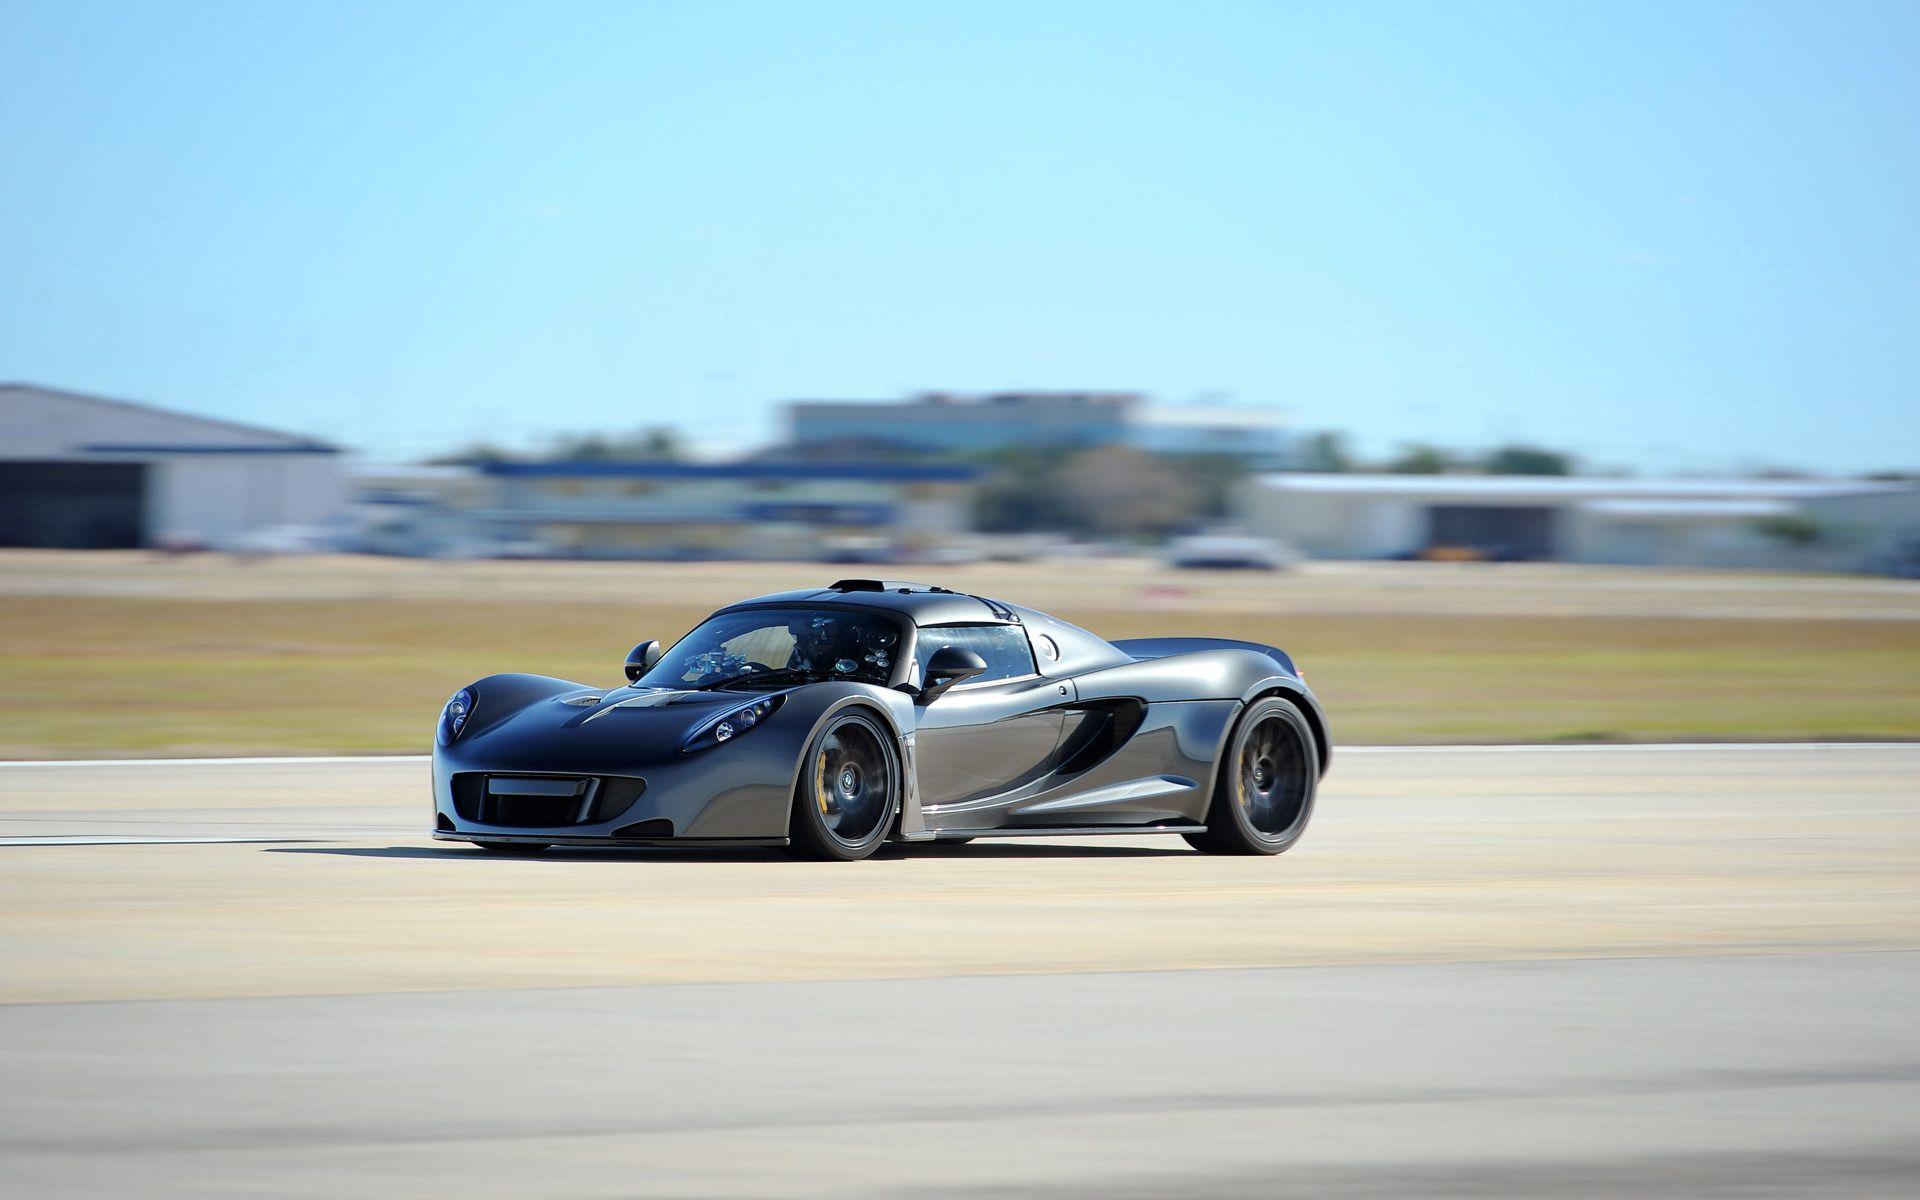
(127, 675)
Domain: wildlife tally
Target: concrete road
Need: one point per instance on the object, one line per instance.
(1503, 972)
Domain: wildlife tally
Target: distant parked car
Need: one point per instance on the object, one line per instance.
(856, 548)
(1219, 551)
(271, 540)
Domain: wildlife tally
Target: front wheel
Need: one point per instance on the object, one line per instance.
(849, 788)
(1264, 793)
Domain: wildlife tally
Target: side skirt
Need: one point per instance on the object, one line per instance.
(1004, 831)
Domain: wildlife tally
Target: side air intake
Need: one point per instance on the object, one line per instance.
(659, 827)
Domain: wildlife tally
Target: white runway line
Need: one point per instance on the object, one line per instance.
(136, 840)
(1338, 749)
(1593, 747)
(307, 760)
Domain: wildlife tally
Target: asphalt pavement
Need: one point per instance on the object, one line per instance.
(1552, 972)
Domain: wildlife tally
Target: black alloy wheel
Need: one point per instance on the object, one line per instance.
(1268, 777)
(849, 789)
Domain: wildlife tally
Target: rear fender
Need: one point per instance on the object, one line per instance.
(1293, 688)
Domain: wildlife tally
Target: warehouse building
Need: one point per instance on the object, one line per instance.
(85, 472)
(1795, 524)
(755, 509)
(948, 423)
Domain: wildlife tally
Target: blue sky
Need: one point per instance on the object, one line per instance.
(1669, 236)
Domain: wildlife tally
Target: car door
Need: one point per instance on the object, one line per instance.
(991, 734)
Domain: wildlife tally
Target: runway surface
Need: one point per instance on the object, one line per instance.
(1555, 972)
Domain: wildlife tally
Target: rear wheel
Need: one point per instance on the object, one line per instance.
(849, 788)
(514, 847)
(1264, 795)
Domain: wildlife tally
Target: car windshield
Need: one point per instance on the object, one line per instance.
(781, 645)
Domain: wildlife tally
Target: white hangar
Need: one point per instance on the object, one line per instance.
(86, 472)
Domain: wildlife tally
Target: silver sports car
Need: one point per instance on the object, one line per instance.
(830, 720)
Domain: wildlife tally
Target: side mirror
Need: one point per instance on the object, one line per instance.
(641, 658)
(948, 666)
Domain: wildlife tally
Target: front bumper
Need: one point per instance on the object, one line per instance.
(522, 837)
(732, 794)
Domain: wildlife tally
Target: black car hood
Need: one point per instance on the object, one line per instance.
(635, 722)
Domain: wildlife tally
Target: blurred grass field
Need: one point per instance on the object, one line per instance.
(211, 657)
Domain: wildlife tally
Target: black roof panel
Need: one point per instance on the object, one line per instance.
(921, 603)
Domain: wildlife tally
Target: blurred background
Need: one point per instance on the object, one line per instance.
(1543, 377)
(1532, 373)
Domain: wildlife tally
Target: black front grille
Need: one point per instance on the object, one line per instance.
(530, 812)
(616, 795)
(604, 798)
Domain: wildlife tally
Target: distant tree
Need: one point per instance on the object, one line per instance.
(1119, 491)
(1216, 478)
(1325, 451)
(1527, 460)
(1021, 494)
(653, 442)
(1794, 529)
(1421, 459)
(1112, 491)
(583, 445)
(662, 441)
(476, 455)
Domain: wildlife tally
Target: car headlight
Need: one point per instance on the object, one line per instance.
(453, 718)
(731, 724)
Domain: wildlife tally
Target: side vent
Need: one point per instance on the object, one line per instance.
(1107, 729)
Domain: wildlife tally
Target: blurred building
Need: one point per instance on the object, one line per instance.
(86, 472)
(951, 424)
(750, 509)
(1792, 524)
(1256, 434)
(418, 511)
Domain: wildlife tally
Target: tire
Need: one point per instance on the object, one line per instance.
(1264, 794)
(843, 807)
(515, 847)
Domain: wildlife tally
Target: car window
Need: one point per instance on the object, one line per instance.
(737, 646)
(1004, 647)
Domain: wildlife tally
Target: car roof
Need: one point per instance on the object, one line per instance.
(922, 603)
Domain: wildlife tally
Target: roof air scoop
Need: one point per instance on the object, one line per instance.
(879, 585)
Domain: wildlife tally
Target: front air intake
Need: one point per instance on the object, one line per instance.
(543, 801)
(658, 828)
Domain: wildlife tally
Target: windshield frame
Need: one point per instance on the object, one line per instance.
(900, 668)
